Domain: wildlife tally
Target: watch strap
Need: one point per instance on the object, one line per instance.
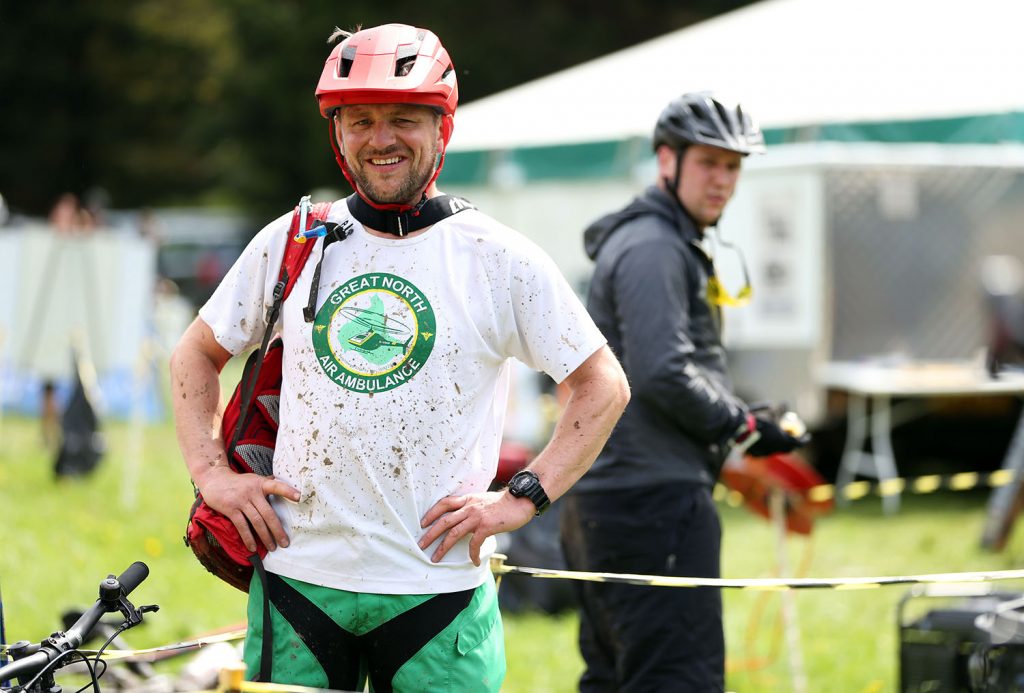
(530, 488)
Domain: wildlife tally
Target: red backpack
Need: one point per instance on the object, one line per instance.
(212, 536)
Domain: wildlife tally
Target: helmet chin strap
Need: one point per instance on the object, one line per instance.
(395, 215)
(672, 188)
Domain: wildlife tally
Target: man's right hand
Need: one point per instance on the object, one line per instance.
(772, 439)
(242, 498)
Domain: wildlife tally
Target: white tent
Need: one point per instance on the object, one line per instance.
(895, 162)
(794, 63)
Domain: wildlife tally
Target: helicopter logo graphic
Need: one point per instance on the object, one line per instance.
(374, 333)
(379, 333)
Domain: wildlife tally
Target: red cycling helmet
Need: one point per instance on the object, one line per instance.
(393, 63)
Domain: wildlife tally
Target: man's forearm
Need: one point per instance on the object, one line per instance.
(598, 395)
(195, 394)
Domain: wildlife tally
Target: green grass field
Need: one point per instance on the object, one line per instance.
(60, 538)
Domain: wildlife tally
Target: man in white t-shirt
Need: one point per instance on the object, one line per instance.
(378, 519)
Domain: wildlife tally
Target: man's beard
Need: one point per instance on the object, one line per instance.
(408, 193)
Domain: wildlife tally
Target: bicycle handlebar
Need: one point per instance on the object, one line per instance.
(113, 592)
(25, 666)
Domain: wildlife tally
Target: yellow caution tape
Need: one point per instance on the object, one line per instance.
(113, 655)
(181, 646)
(927, 484)
(856, 490)
(498, 567)
(258, 687)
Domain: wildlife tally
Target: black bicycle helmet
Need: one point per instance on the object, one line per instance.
(702, 118)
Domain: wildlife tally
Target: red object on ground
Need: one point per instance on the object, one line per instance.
(512, 457)
(756, 477)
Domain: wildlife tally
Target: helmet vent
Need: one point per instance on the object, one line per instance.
(723, 115)
(403, 66)
(348, 56)
(405, 57)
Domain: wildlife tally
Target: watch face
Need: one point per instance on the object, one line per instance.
(520, 482)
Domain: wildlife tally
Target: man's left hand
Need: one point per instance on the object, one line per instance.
(477, 515)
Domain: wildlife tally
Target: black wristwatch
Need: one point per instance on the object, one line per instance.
(526, 484)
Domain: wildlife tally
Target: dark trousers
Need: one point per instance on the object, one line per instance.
(640, 638)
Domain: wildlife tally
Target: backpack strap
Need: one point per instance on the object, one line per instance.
(266, 673)
(296, 253)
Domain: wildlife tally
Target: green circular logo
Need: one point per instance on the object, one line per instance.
(374, 333)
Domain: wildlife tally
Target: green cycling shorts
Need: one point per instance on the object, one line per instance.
(335, 639)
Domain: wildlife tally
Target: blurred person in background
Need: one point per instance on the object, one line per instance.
(378, 519)
(68, 216)
(49, 417)
(64, 215)
(646, 506)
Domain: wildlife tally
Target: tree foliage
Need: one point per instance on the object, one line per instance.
(160, 102)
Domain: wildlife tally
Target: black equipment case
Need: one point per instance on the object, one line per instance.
(968, 641)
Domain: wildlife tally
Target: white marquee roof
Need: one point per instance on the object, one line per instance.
(790, 62)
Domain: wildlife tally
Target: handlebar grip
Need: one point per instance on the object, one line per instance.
(132, 577)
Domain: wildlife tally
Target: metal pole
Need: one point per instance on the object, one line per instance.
(789, 616)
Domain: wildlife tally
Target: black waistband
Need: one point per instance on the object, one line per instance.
(383, 650)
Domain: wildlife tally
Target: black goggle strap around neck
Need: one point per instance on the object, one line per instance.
(397, 222)
(335, 232)
(427, 213)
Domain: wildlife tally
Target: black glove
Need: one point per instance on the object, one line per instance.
(772, 439)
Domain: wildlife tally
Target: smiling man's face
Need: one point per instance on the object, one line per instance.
(391, 149)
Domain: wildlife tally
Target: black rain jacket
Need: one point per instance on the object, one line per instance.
(648, 295)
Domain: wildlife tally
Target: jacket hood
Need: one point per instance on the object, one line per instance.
(653, 201)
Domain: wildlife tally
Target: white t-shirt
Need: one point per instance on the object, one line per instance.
(394, 397)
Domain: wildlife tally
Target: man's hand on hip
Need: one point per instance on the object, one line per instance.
(242, 498)
(477, 515)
